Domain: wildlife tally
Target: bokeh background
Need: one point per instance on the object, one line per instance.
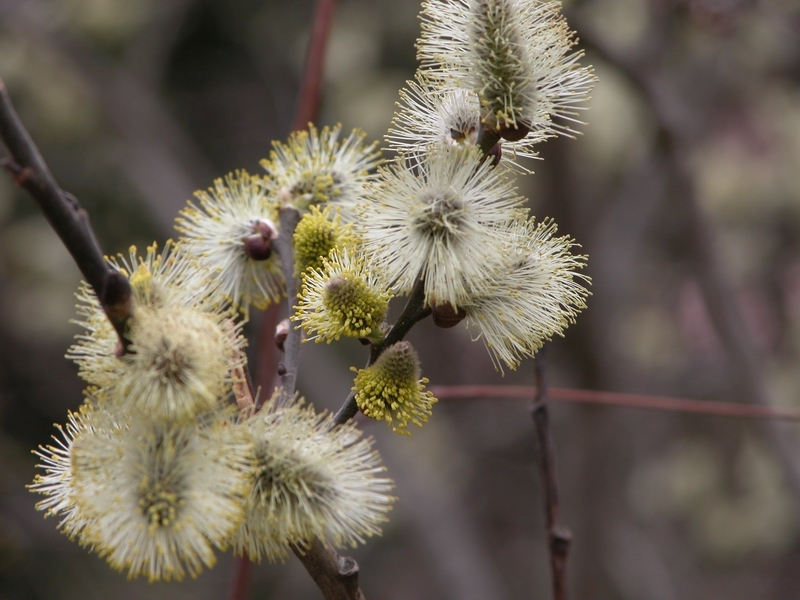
(684, 190)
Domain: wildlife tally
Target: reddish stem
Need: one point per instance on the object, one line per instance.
(704, 407)
(311, 89)
(241, 578)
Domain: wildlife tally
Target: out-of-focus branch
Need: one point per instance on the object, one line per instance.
(677, 134)
(311, 89)
(558, 537)
(700, 407)
(160, 160)
(241, 578)
(65, 215)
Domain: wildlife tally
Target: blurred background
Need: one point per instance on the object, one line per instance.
(684, 190)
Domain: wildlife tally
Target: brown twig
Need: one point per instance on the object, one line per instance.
(287, 370)
(241, 578)
(335, 575)
(701, 407)
(558, 536)
(65, 215)
(311, 89)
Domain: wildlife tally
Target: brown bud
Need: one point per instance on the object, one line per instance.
(514, 134)
(257, 247)
(281, 333)
(445, 316)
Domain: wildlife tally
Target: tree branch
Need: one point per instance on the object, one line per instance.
(700, 407)
(311, 89)
(558, 537)
(65, 215)
(335, 575)
(287, 370)
(677, 134)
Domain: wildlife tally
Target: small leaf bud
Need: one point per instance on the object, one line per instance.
(257, 248)
(445, 316)
(281, 333)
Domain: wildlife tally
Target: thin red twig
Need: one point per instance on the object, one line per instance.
(704, 407)
(241, 578)
(311, 89)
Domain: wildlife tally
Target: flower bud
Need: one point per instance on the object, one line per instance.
(445, 316)
(391, 389)
(317, 233)
(281, 333)
(257, 247)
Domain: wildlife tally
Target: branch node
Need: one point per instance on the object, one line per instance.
(348, 567)
(76, 206)
(560, 539)
(19, 173)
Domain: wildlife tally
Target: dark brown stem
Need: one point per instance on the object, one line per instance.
(336, 576)
(65, 215)
(414, 311)
(558, 537)
(311, 89)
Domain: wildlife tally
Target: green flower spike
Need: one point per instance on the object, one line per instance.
(316, 235)
(391, 389)
(343, 298)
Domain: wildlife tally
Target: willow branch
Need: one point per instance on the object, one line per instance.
(700, 407)
(336, 576)
(287, 370)
(241, 578)
(65, 215)
(414, 311)
(311, 89)
(558, 537)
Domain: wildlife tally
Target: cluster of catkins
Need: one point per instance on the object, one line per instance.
(158, 468)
